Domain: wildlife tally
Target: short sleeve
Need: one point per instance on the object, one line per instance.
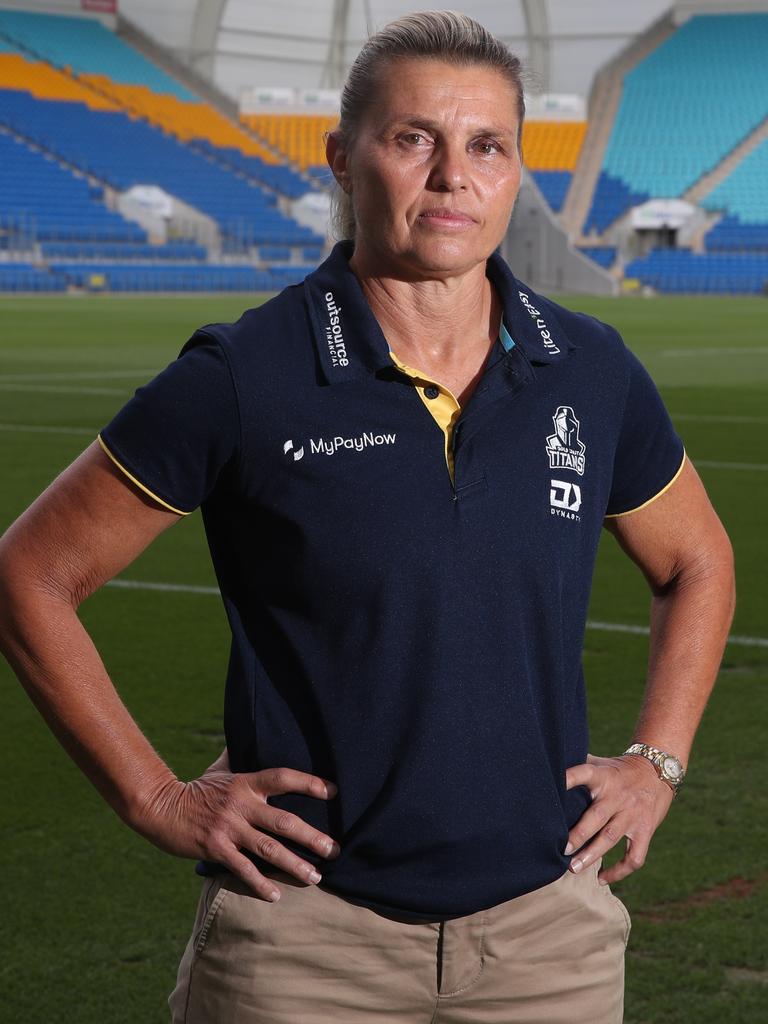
(179, 431)
(649, 454)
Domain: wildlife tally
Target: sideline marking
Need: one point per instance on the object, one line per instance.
(744, 350)
(11, 378)
(61, 389)
(759, 467)
(621, 627)
(606, 627)
(714, 418)
(26, 428)
(184, 588)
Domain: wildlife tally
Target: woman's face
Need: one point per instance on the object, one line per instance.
(434, 170)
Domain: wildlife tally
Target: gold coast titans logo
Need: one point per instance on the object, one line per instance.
(564, 448)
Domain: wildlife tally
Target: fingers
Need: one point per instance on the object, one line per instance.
(611, 832)
(246, 871)
(633, 859)
(626, 801)
(274, 781)
(580, 775)
(271, 850)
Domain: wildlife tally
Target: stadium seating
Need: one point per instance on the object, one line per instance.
(123, 152)
(24, 277)
(744, 193)
(680, 270)
(682, 110)
(85, 47)
(51, 203)
(178, 277)
(82, 60)
(604, 256)
(730, 234)
(79, 250)
(300, 137)
(550, 151)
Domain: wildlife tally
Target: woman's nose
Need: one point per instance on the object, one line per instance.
(450, 172)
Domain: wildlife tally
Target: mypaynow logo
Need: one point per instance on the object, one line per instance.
(330, 445)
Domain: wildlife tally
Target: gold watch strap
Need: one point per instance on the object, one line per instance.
(657, 758)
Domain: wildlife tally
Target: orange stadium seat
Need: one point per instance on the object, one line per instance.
(300, 137)
(46, 82)
(552, 145)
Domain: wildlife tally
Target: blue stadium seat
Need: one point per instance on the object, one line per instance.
(123, 152)
(683, 271)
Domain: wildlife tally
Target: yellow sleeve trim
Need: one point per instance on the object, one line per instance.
(618, 515)
(138, 482)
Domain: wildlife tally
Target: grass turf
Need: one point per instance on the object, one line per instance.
(96, 918)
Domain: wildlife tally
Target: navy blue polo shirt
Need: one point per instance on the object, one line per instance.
(412, 634)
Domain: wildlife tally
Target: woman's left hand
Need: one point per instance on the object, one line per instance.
(628, 799)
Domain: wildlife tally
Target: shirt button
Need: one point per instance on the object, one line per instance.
(431, 391)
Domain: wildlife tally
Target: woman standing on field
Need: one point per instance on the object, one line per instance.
(403, 467)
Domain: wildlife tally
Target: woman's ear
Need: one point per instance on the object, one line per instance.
(336, 156)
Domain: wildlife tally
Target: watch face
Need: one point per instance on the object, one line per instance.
(672, 768)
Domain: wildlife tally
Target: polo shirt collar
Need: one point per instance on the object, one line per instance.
(351, 345)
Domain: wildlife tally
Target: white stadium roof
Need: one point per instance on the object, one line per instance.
(242, 44)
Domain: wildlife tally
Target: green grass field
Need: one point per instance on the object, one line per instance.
(96, 918)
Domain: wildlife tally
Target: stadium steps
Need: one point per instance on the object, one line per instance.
(697, 242)
(604, 102)
(709, 182)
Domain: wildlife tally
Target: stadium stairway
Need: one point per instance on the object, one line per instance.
(603, 104)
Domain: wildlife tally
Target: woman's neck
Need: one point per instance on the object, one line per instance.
(438, 323)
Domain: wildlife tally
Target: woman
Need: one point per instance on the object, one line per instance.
(403, 468)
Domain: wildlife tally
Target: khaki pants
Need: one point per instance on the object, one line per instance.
(553, 956)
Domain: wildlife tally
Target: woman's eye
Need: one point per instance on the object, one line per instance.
(486, 146)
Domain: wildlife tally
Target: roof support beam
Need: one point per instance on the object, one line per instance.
(333, 72)
(206, 22)
(537, 28)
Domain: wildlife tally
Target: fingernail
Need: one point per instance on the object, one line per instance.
(331, 789)
(577, 865)
(274, 895)
(314, 876)
(569, 849)
(602, 881)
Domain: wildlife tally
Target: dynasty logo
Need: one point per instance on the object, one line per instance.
(564, 448)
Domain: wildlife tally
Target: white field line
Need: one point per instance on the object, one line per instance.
(696, 353)
(183, 588)
(607, 627)
(758, 467)
(63, 389)
(621, 627)
(11, 378)
(23, 428)
(695, 417)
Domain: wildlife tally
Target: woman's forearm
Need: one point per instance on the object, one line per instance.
(56, 661)
(690, 620)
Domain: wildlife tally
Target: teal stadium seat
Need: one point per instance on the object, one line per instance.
(682, 110)
(86, 46)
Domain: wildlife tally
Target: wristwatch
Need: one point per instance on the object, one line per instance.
(669, 767)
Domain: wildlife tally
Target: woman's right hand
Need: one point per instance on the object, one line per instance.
(213, 817)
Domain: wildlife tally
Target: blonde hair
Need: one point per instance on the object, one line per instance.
(427, 35)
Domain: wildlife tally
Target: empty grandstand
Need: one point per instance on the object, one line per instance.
(97, 110)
